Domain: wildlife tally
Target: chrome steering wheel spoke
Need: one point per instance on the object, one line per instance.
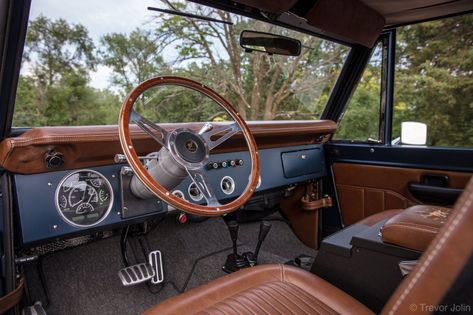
(201, 181)
(227, 130)
(150, 128)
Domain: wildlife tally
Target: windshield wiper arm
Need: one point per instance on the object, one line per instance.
(190, 15)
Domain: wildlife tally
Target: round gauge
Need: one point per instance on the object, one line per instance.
(84, 198)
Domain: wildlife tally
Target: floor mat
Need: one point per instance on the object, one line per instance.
(84, 280)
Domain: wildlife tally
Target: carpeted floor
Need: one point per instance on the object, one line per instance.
(84, 280)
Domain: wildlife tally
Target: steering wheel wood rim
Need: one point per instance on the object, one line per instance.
(150, 182)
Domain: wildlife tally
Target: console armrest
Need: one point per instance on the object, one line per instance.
(415, 227)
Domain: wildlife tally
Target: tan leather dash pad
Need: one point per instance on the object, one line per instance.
(89, 146)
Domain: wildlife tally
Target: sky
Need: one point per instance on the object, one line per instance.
(100, 17)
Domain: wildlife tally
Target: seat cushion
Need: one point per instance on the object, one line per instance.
(264, 289)
(415, 227)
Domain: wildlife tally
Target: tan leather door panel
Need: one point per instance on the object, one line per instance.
(367, 189)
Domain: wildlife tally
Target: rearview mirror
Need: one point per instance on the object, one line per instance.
(270, 43)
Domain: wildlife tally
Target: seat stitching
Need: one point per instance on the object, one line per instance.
(254, 298)
(229, 306)
(241, 304)
(293, 303)
(308, 297)
(301, 300)
(433, 254)
(251, 302)
(275, 297)
(255, 291)
(214, 307)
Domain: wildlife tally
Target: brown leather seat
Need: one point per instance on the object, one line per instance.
(279, 289)
(265, 289)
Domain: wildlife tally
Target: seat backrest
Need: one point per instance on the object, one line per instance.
(440, 265)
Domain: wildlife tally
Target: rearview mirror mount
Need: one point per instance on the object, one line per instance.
(271, 44)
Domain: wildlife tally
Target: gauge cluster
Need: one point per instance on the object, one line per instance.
(84, 198)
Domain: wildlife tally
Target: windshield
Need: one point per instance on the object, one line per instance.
(79, 63)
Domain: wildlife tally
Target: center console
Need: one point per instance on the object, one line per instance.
(357, 261)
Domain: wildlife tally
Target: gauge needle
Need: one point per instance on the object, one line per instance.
(92, 192)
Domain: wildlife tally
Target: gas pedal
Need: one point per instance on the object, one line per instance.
(156, 261)
(136, 274)
(35, 309)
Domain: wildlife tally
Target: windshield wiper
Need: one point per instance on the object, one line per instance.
(175, 12)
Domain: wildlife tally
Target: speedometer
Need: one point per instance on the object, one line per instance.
(84, 198)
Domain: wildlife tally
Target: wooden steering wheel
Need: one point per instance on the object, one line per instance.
(188, 148)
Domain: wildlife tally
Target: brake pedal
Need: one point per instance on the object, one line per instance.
(156, 262)
(136, 274)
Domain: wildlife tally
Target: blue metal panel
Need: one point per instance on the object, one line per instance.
(302, 162)
(40, 220)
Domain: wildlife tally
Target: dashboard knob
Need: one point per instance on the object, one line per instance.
(240, 162)
(224, 164)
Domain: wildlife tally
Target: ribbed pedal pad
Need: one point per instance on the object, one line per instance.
(35, 309)
(156, 262)
(136, 274)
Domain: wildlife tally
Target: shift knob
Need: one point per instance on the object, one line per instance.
(233, 229)
(264, 228)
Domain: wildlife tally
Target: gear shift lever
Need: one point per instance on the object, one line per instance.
(234, 261)
(233, 229)
(264, 228)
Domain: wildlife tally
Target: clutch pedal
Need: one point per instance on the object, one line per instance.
(156, 262)
(136, 274)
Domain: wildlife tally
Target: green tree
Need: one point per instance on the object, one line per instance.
(54, 90)
(133, 58)
(261, 86)
(55, 47)
(360, 121)
(434, 82)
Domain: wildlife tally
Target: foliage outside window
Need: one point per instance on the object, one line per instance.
(77, 72)
(434, 80)
(360, 121)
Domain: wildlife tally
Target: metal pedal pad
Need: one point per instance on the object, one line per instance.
(156, 261)
(35, 309)
(136, 274)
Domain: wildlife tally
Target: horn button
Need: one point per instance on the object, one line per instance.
(190, 147)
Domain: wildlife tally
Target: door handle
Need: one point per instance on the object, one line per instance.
(434, 194)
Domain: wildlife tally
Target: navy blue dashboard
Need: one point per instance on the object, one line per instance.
(41, 220)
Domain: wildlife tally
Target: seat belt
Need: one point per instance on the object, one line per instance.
(13, 298)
